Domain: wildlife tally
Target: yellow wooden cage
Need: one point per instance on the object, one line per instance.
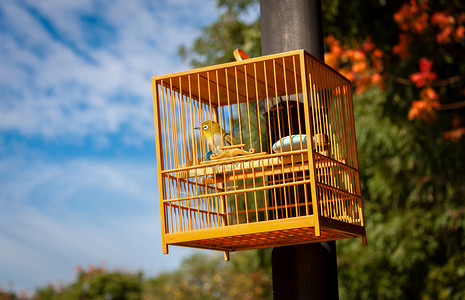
(289, 177)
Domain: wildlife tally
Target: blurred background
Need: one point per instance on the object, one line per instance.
(79, 214)
(78, 181)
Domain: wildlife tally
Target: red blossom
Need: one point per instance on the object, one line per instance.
(461, 19)
(459, 34)
(412, 16)
(425, 76)
(425, 65)
(401, 48)
(442, 19)
(421, 23)
(368, 45)
(377, 54)
(452, 28)
(444, 36)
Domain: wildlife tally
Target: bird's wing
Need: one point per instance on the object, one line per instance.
(228, 139)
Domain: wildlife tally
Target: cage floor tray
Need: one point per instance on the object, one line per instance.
(273, 233)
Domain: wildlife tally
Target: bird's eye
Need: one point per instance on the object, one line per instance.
(205, 127)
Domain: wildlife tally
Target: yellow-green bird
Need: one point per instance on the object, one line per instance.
(216, 136)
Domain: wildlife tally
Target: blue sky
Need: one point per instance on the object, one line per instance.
(77, 156)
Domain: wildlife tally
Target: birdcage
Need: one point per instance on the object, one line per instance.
(280, 168)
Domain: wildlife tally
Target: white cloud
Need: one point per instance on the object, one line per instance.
(55, 216)
(59, 85)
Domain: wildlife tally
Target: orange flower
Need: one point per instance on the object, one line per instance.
(331, 59)
(425, 108)
(429, 94)
(376, 78)
(422, 110)
(355, 54)
(330, 40)
(415, 110)
(359, 67)
(455, 134)
(350, 75)
(357, 64)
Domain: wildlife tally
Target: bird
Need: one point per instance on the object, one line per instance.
(216, 136)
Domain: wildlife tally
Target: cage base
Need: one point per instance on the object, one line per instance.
(275, 233)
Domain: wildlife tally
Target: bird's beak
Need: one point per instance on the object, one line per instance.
(198, 128)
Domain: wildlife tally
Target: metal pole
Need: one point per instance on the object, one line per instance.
(303, 271)
(290, 25)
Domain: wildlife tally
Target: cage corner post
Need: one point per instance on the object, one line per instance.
(158, 143)
(307, 91)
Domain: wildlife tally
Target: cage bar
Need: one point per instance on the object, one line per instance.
(291, 176)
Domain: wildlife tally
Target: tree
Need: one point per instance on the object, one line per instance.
(421, 63)
(210, 277)
(4, 295)
(231, 31)
(96, 283)
(406, 62)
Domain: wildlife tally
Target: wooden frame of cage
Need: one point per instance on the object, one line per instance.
(194, 197)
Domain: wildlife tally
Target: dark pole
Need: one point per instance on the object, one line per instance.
(303, 271)
(291, 25)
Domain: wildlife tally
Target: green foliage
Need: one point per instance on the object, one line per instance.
(210, 277)
(4, 295)
(97, 283)
(231, 31)
(413, 204)
(200, 276)
(351, 21)
(446, 281)
(412, 178)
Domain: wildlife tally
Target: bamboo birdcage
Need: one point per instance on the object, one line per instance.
(291, 178)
